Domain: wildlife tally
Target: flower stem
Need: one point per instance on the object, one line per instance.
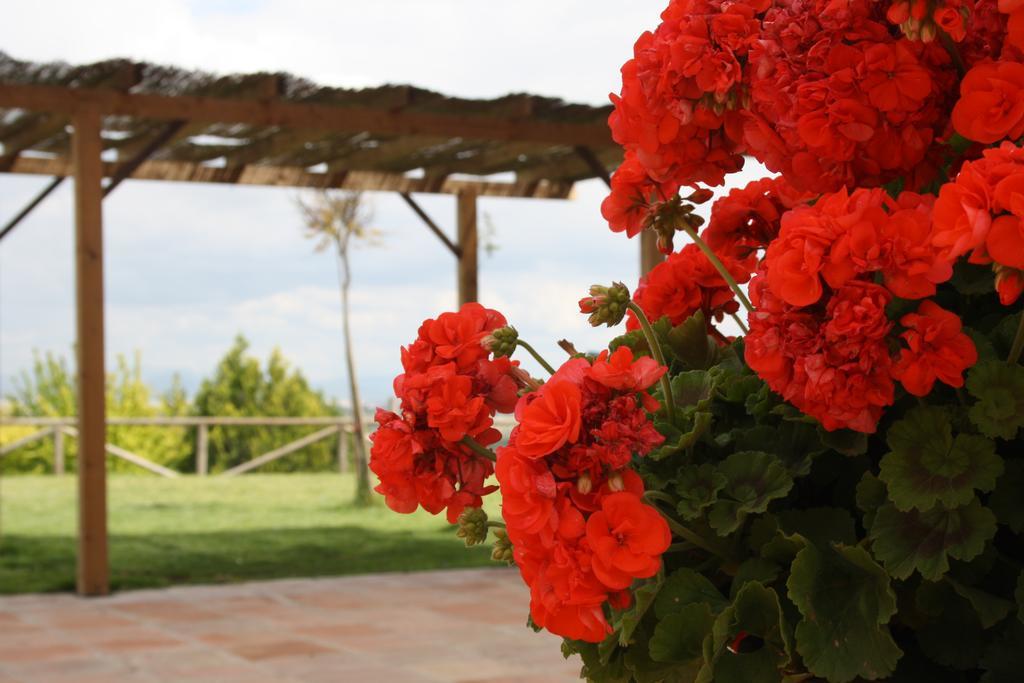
(739, 321)
(1018, 343)
(720, 267)
(475, 446)
(682, 532)
(659, 355)
(496, 525)
(537, 356)
(954, 53)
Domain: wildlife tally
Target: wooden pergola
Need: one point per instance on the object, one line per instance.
(107, 122)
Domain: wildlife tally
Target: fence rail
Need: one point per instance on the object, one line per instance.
(57, 428)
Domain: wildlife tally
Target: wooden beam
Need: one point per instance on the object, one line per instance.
(125, 170)
(93, 569)
(304, 115)
(36, 201)
(429, 222)
(468, 246)
(650, 256)
(282, 176)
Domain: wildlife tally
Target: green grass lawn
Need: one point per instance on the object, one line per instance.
(213, 530)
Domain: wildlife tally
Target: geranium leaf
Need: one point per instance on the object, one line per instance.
(871, 495)
(989, 608)
(698, 488)
(756, 615)
(929, 466)
(924, 541)
(643, 597)
(753, 480)
(952, 635)
(1019, 596)
(845, 441)
(686, 587)
(755, 569)
(1004, 658)
(693, 388)
(999, 388)
(679, 636)
(820, 525)
(690, 343)
(1006, 501)
(846, 600)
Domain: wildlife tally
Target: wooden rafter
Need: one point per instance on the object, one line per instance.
(302, 115)
(277, 176)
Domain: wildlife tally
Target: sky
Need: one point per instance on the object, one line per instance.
(190, 266)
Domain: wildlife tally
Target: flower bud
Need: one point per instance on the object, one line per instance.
(700, 195)
(501, 342)
(928, 32)
(502, 547)
(472, 526)
(606, 305)
(584, 484)
(615, 483)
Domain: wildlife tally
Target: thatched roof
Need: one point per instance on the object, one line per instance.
(167, 123)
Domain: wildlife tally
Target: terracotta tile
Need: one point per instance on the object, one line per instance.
(278, 648)
(39, 651)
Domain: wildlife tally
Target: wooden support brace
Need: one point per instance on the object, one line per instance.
(452, 247)
(93, 568)
(468, 249)
(282, 451)
(128, 456)
(36, 201)
(23, 441)
(650, 256)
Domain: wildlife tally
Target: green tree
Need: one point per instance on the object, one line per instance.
(239, 387)
(49, 389)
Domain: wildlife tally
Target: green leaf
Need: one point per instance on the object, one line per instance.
(999, 388)
(1006, 500)
(679, 636)
(989, 608)
(690, 343)
(676, 440)
(753, 480)
(871, 495)
(1019, 596)
(1004, 660)
(970, 279)
(952, 636)
(687, 587)
(929, 466)
(845, 441)
(823, 526)
(693, 388)
(755, 612)
(698, 488)
(846, 600)
(924, 541)
(757, 569)
(643, 597)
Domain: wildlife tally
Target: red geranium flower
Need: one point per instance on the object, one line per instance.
(936, 349)
(991, 105)
(551, 419)
(628, 539)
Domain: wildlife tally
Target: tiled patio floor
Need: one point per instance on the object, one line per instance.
(465, 626)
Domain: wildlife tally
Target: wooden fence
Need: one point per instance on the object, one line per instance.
(58, 428)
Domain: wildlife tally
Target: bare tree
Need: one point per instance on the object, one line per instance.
(338, 221)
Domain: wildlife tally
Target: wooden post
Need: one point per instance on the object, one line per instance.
(342, 449)
(649, 254)
(93, 569)
(202, 450)
(58, 451)
(466, 214)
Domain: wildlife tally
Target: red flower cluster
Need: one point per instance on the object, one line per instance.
(676, 113)
(581, 533)
(820, 336)
(981, 214)
(837, 101)
(450, 389)
(746, 220)
(687, 282)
